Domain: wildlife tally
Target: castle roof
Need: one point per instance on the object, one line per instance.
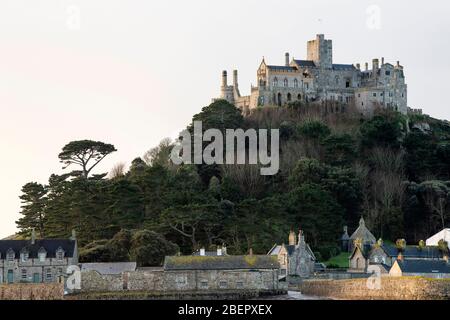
(221, 262)
(50, 246)
(305, 63)
(281, 68)
(343, 67)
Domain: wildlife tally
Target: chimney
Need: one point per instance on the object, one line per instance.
(382, 61)
(375, 65)
(367, 66)
(33, 236)
(287, 60)
(202, 252)
(224, 78)
(358, 66)
(292, 238)
(235, 78)
(400, 256)
(219, 251)
(398, 64)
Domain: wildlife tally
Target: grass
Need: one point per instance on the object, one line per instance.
(340, 260)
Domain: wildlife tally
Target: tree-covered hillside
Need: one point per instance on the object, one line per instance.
(334, 167)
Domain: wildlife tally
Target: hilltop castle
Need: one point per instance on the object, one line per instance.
(317, 79)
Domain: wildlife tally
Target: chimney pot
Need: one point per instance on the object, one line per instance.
(287, 59)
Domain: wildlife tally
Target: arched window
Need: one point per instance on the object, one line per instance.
(299, 97)
(295, 83)
(275, 82)
(279, 102)
(337, 80)
(286, 83)
(289, 97)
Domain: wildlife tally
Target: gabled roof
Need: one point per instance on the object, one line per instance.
(305, 63)
(221, 262)
(109, 267)
(424, 266)
(427, 252)
(363, 233)
(50, 245)
(356, 249)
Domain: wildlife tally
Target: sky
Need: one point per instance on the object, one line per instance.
(132, 72)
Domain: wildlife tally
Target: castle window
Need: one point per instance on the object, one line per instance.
(299, 97)
(286, 83)
(359, 95)
(307, 85)
(337, 80)
(204, 284)
(374, 94)
(239, 284)
(24, 274)
(347, 84)
(289, 97)
(295, 83)
(388, 73)
(403, 95)
(275, 82)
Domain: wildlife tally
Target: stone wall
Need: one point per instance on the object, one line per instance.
(390, 289)
(194, 280)
(49, 291)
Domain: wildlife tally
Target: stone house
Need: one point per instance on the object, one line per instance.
(251, 272)
(296, 259)
(358, 261)
(220, 251)
(109, 268)
(36, 260)
(363, 234)
(317, 78)
(420, 268)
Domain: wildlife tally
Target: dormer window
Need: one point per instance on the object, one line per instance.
(60, 254)
(10, 255)
(24, 255)
(42, 255)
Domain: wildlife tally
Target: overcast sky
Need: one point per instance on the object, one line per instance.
(133, 72)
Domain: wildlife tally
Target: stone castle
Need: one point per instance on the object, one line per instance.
(318, 79)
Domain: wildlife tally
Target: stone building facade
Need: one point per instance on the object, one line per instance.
(318, 79)
(36, 261)
(296, 259)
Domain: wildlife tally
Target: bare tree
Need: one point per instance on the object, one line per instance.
(117, 171)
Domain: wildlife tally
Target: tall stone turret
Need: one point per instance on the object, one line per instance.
(227, 92)
(287, 60)
(320, 51)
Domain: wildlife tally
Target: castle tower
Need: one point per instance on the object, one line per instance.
(236, 92)
(320, 51)
(292, 238)
(287, 60)
(227, 92)
(224, 79)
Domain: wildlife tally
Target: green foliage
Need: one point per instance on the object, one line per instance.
(314, 130)
(33, 209)
(383, 130)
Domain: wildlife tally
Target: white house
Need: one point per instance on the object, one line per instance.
(444, 234)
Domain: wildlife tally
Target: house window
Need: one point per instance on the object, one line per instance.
(222, 284)
(374, 94)
(307, 85)
(239, 284)
(286, 83)
(388, 73)
(359, 95)
(295, 83)
(275, 82)
(60, 255)
(204, 284)
(391, 94)
(347, 84)
(24, 256)
(48, 274)
(60, 271)
(24, 274)
(10, 256)
(42, 255)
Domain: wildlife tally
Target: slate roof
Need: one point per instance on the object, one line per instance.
(290, 250)
(208, 253)
(363, 233)
(109, 267)
(424, 266)
(430, 252)
(305, 63)
(221, 262)
(50, 245)
(343, 67)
